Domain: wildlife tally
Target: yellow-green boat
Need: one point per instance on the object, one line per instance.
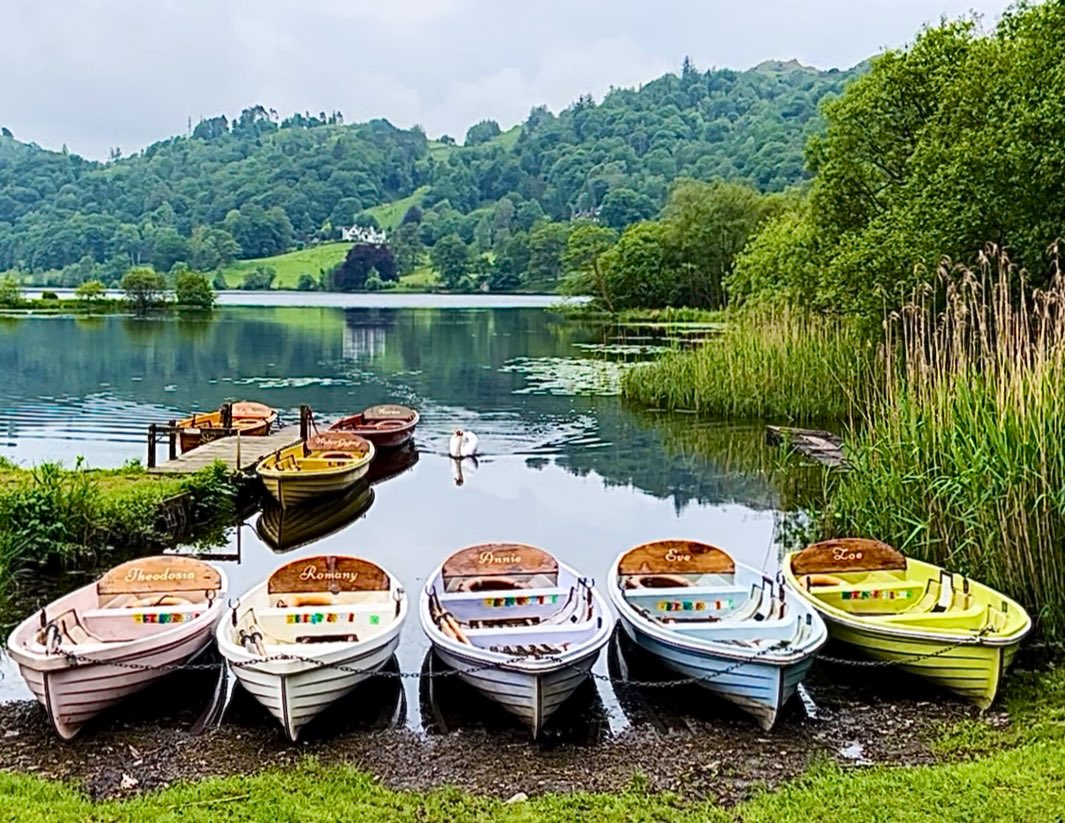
(942, 626)
(301, 473)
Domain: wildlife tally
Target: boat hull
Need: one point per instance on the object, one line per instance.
(760, 689)
(971, 670)
(295, 692)
(75, 693)
(294, 488)
(531, 696)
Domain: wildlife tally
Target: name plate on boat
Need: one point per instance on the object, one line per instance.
(849, 554)
(328, 573)
(171, 573)
(676, 557)
(499, 559)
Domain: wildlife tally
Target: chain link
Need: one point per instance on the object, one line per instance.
(907, 658)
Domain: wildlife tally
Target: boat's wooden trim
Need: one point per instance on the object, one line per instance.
(676, 557)
(328, 573)
(499, 559)
(847, 554)
(171, 573)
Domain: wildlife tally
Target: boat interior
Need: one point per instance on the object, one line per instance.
(133, 600)
(698, 591)
(302, 457)
(322, 599)
(512, 599)
(876, 582)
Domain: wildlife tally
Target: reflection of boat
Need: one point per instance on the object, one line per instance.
(387, 426)
(518, 625)
(299, 474)
(392, 463)
(448, 704)
(155, 612)
(250, 419)
(947, 628)
(314, 615)
(704, 615)
(286, 529)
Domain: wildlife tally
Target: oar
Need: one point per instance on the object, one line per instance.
(212, 715)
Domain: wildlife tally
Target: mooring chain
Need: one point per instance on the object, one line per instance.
(503, 664)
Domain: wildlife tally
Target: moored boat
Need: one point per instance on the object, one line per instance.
(88, 650)
(516, 624)
(299, 474)
(387, 426)
(250, 419)
(287, 529)
(302, 639)
(953, 631)
(704, 615)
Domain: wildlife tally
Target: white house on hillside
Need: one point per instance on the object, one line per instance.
(363, 234)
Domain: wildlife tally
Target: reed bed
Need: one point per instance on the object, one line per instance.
(781, 364)
(961, 459)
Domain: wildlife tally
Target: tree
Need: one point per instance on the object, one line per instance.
(168, 248)
(586, 243)
(91, 291)
(307, 282)
(261, 278)
(193, 289)
(482, 132)
(639, 270)
(145, 289)
(209, 249)
(451, 259)
(10, 292)
(622, 207)
(547, 242)
(362, 258)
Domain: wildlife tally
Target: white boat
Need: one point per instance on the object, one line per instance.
(86, 651)
(703, 615)
(311, 633)
(516, 624)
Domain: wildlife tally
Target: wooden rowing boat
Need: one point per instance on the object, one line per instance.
(704, 615)
(313, 631)
(942, 626)
(250, 419)
(300, 474)
(287, 529)
(83, 653)
(516, 624)
(387, 426)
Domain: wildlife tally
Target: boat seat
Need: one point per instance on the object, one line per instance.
(729, 631)
(504, 594)
(300, 623)
(967, 618)
(518, 631)
(711, 599)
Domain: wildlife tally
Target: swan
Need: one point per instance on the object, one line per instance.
(463, 444)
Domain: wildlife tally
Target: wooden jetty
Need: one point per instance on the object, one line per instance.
(240, 454)
(821, 446)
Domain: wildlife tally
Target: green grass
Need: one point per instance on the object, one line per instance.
(781, 365)
(390, 214)
(422, 278)
(290, 265)
(994, 774)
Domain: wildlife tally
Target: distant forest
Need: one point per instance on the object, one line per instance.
(259, 185)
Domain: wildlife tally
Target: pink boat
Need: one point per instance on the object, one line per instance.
(82, 653)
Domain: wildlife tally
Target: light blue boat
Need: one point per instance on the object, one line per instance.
(704, 615)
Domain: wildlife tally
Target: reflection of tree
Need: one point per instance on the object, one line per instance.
(689, 460)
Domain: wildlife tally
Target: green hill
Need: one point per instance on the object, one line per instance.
(291, 265)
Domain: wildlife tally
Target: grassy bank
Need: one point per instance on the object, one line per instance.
(782, 365)
(990, 772)
(54, 517)
(962, 457)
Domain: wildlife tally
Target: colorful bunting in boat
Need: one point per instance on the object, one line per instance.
(164, 617)
(877, 594)
(526, 600)
(319, 617)
(694, 605)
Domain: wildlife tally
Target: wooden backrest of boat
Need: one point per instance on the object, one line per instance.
(249, 410)
(389, 411)
(499, 559)
(676, 557)
(847, 554)
(334, 440)
(163, 573)
(328, 573)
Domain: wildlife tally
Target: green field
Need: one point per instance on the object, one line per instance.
(291, 265)
(389, 214)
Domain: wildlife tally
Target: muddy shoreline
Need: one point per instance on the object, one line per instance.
(677, 739)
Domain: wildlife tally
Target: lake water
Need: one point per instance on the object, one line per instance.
(565, 465)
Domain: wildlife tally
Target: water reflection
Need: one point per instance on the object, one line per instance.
(287, 529)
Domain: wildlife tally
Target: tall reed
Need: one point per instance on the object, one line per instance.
(783, 364)
(962, 457)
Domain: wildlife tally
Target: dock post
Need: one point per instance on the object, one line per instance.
(305, 420)
(227, 416)
(238, 467)
(151, 445)
(173, 440)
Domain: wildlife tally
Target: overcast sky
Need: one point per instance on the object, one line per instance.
(100, 73)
